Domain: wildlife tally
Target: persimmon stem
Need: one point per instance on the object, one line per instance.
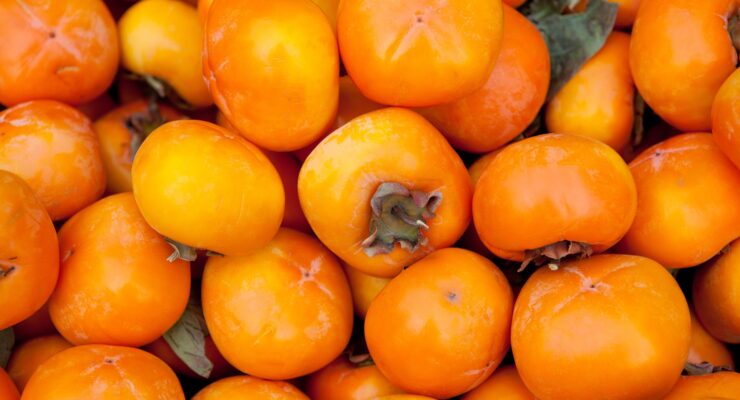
(553, 254)
(6, 267)
(704, 368)
(733, 26)
(181, 251)
(140, 125)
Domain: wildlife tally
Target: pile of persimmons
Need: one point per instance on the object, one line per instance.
(369, 199)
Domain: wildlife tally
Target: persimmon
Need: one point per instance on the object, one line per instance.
(365, 289)
(704, 348)
(163, 350)
(329, 7)
(509, 100)
(441, 327)
(273, 70)
(29, 256)
(281, 312)
(116, 285)
(53, 148)
(504, 384)
(626, 11)
(678, 72)
(288, 168)
(38, 324)
(62, 50)
(403, 397)
(719, 385)
(598, 102)
(381, 200)
(572, 324)
(716, 297)
(687, 194)
(345, 380)
(726, 119)
(196, 174)
(27, 357)
(163, 39)
(103, 372)
(8, 391)
(247, 387)
(470, 239)
(419, 53)
(544, 197)
(121, 131)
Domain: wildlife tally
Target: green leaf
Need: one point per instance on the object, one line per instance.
(187, 338)
(7, 340)
(573, 38)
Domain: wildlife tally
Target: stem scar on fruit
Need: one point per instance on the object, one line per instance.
(552, 254)
(398, 216)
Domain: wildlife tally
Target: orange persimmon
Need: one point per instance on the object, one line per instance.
(716, 297)
(27, 357)
(345, 380)
(726, 118)
(719, 385)
(504, 384)
(705, 348)
(247, 387)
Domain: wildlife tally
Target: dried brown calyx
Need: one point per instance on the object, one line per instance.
(553, 254)
(141, 124)
(704, 368)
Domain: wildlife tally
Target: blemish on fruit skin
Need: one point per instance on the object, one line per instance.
(452, 297)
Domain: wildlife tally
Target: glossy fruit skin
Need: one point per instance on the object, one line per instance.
(509, 100)
(53, 148)
(365, 289)
(470, 240)
(329, 7)
(598, 102)
(247, 387)
(115, 142)
(288, 168)
(180, 156)
(341, 175)
(103, 372)
(504, 384)
(720, 385)
(705, 348)
(678, 72)
(716, 297)
(277, 84)
(38, 324)
(551, 188)
(162, 349)
(8, 391)
(442, 326)
(394, 50)
(164, 38)
(282, 312)
(65, 50)
(687, 195)
(343, 380)
(27, 357)
(626, 12)
(571, 324)
(29, 256)
(726, 119)
(115, 284)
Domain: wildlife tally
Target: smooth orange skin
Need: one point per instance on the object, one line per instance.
(27, 357)
(507, 103)
(719, 385)
(53, 148)
(550, 188)
(394, 51)
(688, 193)
(341, 175)
(680, 55)
(365, 289)
(273, 70)
(38, 324)
(283, 311)
(343, 380)
(8, 391)
(74, 66)
(196, 174)
(115, 284)
(726, 118)
(504, 384)
(329, 7)
(162, 349)
(103, 372)
(470, 239)
(705, 348)
(247, 387)
(28, 244)
(570, 326)
(442, 326)
(598, 102)
(626, 12)
(115, 142)
(716, 295)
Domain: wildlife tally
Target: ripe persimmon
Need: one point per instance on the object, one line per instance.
(403, 397)
(609, 326)
(716, 297)
(53, 148)
(384, 190)
(116, 285)
(511, 98)
(365, 289)
(27, 357)
(288, 168)
(56, 50)
(704, 348)
(29, 254)
(206, 187)
(504, 384)
(281, 312)
(247, 387)
(8, 391)
(726, 119)
(719, 385)
(441, 327)
(470, 239)
(419, 52)
(345, 380)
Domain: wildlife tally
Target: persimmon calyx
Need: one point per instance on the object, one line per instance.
(733, 26)
(704, 368)
(181, 251)
(552, 254)
(398, 216)
(141, 124)
(7, 266)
